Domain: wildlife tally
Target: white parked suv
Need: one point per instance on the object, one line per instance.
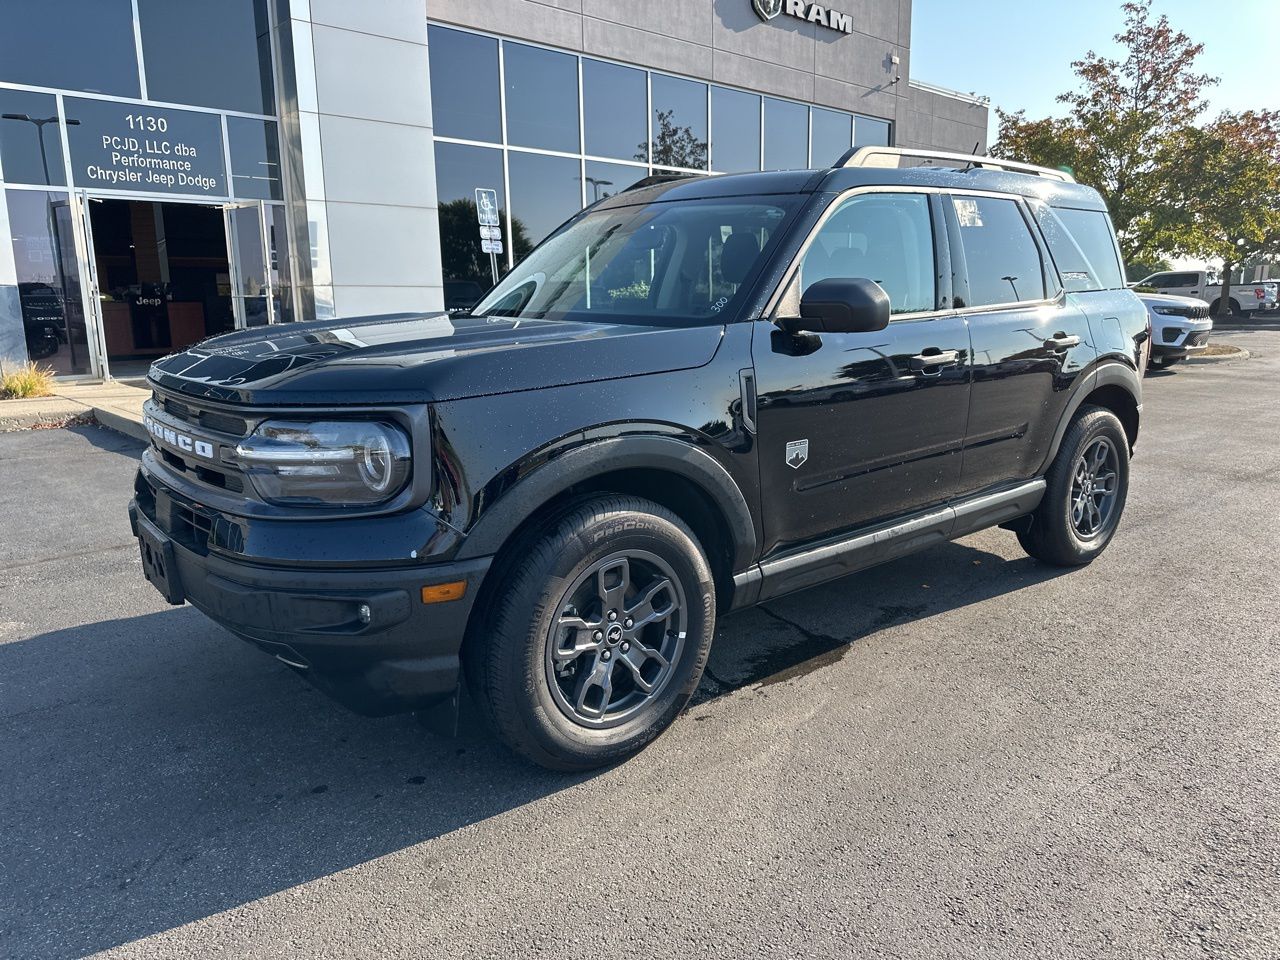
(1180, 327)
(1246, 298)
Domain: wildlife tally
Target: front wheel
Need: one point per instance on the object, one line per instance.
(1088, 483)
(600, 629)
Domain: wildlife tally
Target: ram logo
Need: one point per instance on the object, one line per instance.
(767, 9)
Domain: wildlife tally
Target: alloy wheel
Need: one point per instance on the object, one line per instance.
(617, 637)
(1095, 482)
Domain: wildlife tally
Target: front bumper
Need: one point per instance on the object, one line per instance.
(1175, 338)
(362, 634)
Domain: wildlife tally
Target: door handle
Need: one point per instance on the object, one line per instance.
(1060, 341)
(931, 361)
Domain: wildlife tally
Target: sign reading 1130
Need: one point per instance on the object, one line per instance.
(117, 146)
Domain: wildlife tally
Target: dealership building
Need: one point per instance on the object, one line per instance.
(172, 169)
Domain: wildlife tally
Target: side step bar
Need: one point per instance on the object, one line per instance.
(838, 558)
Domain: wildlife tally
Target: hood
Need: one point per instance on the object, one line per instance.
(1164, 300)
(419, 358)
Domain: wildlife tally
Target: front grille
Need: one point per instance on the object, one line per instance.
(209, 419)
(198, 442)
(1192, 311)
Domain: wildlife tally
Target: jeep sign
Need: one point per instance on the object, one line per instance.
(810, 12)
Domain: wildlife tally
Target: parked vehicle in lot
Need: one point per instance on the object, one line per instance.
(698, 395)
(1180, 327)
(1245, 298)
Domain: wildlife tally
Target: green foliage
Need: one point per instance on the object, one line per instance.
(674, 146)
(1174, 185)
(29, 380)
(1122, 130)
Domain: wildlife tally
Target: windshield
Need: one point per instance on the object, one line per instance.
(681, 263)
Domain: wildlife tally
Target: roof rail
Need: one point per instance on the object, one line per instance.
(892, 157)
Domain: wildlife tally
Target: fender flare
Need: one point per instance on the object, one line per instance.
(495, 526)
(1107, 373)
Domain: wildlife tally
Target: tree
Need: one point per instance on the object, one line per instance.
(1123, 128)
(1228, 189)
(674, 146)
(462, 257)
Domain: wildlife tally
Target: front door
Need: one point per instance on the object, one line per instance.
(855, 429)
(254, 269)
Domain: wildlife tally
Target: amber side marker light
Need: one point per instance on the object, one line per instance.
(444, 592)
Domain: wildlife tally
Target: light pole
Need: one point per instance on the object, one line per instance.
(597, 184)
(54, 233)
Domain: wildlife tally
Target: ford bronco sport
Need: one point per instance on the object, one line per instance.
(697, 395)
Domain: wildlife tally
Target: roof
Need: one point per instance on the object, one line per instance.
(838, 180)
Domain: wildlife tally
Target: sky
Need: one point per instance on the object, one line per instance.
(1019, 52)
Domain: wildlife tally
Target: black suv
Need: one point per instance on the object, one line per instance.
(695, 396)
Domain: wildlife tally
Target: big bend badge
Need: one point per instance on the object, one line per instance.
(797, 453)
(767, 9)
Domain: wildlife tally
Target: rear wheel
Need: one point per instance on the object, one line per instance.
(1088, 483)
(599, 633)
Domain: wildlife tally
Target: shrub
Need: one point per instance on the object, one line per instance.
(30, 380)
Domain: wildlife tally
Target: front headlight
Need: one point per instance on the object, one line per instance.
(1168, 311)
(329, 463)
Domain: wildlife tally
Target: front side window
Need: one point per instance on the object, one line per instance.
(885, 237)
(1001, 255)
(680, 263)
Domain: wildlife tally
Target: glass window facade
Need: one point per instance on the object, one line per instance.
(255, 159)
(71, 44)
(614, 105)
(869, 132)
(542, 98)
(30, 141)
(832, 136)
(679, 123)
(735, 130)
(576, 130)
(545, 192)
(786, 135)
(208, 54)
(48, 282)
(470, 110)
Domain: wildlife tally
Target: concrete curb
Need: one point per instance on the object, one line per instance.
(113, 405)
(1240, 354)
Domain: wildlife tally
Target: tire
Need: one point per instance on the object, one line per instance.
(540, 665)
(1064, 531)
(1232, 303)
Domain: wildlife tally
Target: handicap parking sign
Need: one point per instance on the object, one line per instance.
(487, 207)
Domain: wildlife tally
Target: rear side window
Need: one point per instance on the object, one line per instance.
(1000, 253)
(1092, 232)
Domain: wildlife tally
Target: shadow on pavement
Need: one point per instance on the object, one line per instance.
(173, 772)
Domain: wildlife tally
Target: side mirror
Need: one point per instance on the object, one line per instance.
(841, 305)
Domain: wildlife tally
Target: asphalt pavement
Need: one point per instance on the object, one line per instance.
(960, 754)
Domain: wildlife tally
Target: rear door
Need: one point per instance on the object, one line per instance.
(857, 428)
(1030, 341)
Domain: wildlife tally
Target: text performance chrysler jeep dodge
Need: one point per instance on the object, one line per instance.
(697, 395)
